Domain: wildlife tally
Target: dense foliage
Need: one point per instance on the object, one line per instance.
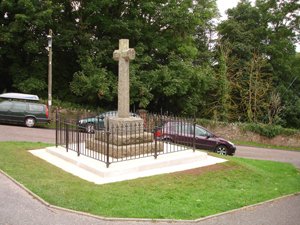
(267, 130)
(249, 72)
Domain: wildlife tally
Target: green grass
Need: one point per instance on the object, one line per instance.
(261, 145)
(240, 182)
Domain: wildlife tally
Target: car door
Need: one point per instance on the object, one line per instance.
(204, 139)
(17, 111)
(5, 107)
(181, 133)
(37, 111)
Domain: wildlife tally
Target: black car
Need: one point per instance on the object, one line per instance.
(91, 124)
(184, 133)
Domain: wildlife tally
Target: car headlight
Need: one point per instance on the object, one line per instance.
(230, 143)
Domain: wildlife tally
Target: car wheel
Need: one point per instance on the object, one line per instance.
(90, 128)
(29, 122)
(222, 150)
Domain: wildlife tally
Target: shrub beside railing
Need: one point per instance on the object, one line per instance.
(269, 131)
(265, 130)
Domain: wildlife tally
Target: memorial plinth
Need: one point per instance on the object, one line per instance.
(124, 135)
(124, 146)
(125, 126)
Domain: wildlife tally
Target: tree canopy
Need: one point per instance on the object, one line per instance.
(245, 69)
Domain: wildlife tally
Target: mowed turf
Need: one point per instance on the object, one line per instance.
(183, 195)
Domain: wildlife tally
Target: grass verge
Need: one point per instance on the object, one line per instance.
(183, 195)
(261, 145)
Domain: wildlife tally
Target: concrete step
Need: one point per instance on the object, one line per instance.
(95, 171)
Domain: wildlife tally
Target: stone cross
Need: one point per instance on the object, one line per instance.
(124, 54)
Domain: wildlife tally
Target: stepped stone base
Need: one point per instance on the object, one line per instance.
(129, 139)
(126, 138)
(124, 126)
(122, 151)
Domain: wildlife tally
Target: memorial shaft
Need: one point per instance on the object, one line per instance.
(124, 54)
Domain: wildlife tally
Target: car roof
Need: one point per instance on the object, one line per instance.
(20, 96)
(182, 123)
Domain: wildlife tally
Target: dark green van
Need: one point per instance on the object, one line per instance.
(23, 109)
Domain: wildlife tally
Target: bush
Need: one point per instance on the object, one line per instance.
(267, 130)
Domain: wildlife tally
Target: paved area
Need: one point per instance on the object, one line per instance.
(269, 154)
(18, 207)
(19, 133)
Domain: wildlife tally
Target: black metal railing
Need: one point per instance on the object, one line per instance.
(152, 135)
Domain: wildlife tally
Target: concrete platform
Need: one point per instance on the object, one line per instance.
(95, 171)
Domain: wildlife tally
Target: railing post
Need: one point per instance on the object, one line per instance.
(155, 144)
(194, 135)
(78, 141)
(107, 148)
(67, 136)
(60, 131)
(56, 128)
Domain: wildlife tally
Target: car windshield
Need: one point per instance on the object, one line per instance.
(186, 129)
(201, 132)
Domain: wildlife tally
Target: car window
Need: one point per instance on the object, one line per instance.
(36, 108)
(5, 105)
(201, 132)
(179, 128)
(187, 129)
(18, 106)
(173, 128)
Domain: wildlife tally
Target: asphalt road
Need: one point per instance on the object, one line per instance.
(19, 207)
(19, 133)
(269, 154)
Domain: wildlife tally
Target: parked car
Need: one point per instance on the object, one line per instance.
(91, 124)
(23, 109)
(184, 133)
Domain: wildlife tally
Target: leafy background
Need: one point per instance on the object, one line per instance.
(244, 68)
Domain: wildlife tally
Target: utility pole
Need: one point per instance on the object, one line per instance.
(49, 37)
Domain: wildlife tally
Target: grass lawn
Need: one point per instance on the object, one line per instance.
(183, 195)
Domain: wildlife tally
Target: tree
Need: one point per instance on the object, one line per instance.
(262, 39)
(257, 91)
(166, 47)
(223, 105)
(22, 29)
(291, 95)
(92, 78)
